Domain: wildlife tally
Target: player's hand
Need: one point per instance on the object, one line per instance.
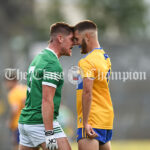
(89, 131)
(51, 142)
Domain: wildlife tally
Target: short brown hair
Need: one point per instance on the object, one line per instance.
(60, 27)
(85, 25)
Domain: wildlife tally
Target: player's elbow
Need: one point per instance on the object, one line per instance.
(87, 93)
(47, 104)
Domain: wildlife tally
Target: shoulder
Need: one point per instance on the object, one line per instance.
(90, 58)
(53, 65)
(48, 56)
(93, 58)
(97, 56)
(45, 59)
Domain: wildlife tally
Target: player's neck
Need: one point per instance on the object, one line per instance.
(55, 48)
(93, 45)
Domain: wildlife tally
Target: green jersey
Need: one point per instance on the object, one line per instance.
(45, 69)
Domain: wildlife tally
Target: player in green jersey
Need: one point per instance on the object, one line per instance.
(38, 124)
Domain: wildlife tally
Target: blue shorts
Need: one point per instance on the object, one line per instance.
(103, 135)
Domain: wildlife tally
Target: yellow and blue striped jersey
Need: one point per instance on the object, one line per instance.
(96, 65)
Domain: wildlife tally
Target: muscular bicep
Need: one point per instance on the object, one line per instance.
(87, 85)
(48, 92)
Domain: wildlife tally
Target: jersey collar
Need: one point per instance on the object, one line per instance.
(100, 48)
(47, 48)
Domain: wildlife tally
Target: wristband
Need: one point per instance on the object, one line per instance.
(49, 132)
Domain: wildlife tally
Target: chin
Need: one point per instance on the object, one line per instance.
(83, 52)
(68, 54)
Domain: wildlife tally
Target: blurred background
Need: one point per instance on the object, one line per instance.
(124, 33)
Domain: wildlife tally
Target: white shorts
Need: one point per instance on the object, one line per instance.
(34, 135)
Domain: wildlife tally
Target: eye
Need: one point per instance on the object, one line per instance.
(75, 39)
(72, 39)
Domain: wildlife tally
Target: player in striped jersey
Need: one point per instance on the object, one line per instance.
(38, 124)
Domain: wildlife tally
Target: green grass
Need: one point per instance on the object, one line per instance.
(125, 145)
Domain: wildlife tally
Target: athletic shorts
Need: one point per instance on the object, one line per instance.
(34, 135)
(103, 135)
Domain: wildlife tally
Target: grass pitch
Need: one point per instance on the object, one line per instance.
(125, 145)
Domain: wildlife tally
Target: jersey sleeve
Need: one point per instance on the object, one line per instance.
(87, 68)
(52, 74)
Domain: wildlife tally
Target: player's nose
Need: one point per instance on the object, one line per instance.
(75, 42)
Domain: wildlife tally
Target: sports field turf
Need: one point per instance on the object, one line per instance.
(126, 145)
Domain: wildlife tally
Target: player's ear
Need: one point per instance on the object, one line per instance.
(60, 38)
(87, 37)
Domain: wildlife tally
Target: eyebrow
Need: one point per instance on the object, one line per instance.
(72, 38)
(75, 38)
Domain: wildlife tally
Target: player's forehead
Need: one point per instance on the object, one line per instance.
(70, 35)
(77, 34)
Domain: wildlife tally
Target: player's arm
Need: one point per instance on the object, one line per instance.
(86, 105)
(87, 71)
(48, 93)
(49, 85)
(86, 98)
